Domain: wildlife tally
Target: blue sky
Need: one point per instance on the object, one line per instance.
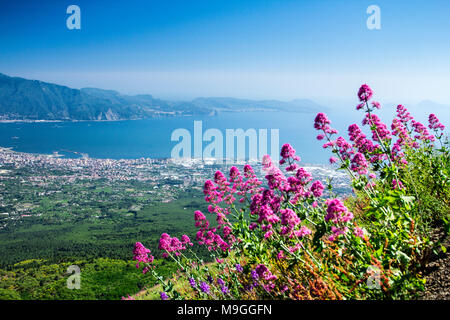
(250, 49)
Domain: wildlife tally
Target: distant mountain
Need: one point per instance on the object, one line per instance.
(431, 105)
(22, 99)
(36, 100)
(233, 105)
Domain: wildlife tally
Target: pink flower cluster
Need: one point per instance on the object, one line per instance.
(275, 178)
(140, 254)
(422, 132)
(379, 129)
(169, 244)
(336, 232)
(223, 190)
(290, 221)
(317, 188)
(360, 233)
(365, 93)
(359, 164)
(344, 147)
(337, 211)
(261, 272)
(399, 130)
(209, 236)
(287, 153)
(266, 205)
(397, 184)
(403, 115)
(338, 214)
(360, 142)
(434, 123)
(321, 122)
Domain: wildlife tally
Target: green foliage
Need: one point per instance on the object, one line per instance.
(102, 278)
(294, 243)
(111, 237)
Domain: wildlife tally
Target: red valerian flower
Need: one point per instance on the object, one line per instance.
(365, 93)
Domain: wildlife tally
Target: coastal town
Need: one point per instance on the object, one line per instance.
(51, 186)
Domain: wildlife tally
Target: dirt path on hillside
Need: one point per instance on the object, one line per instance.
(437, 272)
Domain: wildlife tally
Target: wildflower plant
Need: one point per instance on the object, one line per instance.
(282, 238)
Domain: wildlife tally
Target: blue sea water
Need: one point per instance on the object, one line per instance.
(152, 137)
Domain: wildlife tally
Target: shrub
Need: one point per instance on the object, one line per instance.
(287, 241)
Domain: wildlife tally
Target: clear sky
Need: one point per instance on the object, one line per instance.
(251, 49)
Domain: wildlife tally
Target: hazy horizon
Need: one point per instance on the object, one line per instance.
(324, 101)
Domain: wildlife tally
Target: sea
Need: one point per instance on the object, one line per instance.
(151, 138)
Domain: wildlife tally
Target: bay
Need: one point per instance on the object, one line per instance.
(151, 138)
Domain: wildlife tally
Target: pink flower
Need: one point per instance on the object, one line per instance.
(303, 176)
(226, 231)
(304, 231)
(397, 184)
(219, 178)
(234, 173)
(200, 220)
(185, 240)
(359, 232)
(292, 167)
(361, 143)
(289, 217)
(365, 93)
(248, 171)
(337, 232)
(140, 254)
(345, 149)
(317, 188)
(266, 162)
(378, 128)
(376, 105)
(281, 255)
(321, 122)
(268, 234)
(164, 242)
(337, 212)
(403, 114)
(422, 131)
(208, 187)
(275, 178)
(288, 152)
(263, 273)
(434, 123)
(359, 164)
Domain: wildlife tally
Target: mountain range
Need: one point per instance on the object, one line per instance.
(23, 99)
